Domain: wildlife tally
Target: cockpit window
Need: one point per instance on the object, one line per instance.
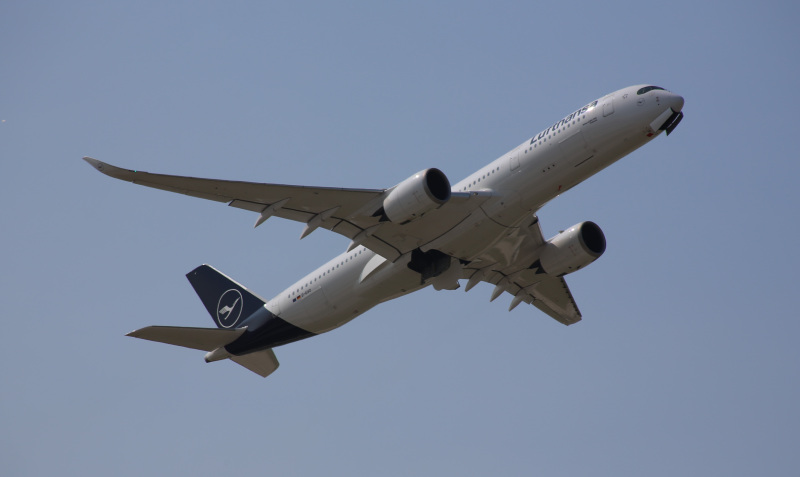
(649, 88)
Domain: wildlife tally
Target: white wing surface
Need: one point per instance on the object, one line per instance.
(523, 281)
(352, 213)
(348, 212)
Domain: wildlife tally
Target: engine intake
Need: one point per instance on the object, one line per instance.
(571, 250)
(420, 193)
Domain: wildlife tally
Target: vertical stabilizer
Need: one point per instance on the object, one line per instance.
(228, 302)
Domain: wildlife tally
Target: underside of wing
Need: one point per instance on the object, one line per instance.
(353, 213)
(549, 294)
(554, 298)
(303, 202)
(511, 266)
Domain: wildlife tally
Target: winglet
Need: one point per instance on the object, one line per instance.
(94, 162)
(109, 170)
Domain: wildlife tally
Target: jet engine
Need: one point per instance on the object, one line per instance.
(420, 193)
(571, 250)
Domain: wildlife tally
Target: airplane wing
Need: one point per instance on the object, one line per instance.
(553, 297)
(525, 282)
(349, 212)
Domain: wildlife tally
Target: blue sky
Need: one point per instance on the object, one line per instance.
(685, 363)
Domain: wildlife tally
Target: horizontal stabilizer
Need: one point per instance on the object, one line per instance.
(205, 339)
(262, 363)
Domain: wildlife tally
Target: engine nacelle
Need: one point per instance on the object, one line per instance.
(420, 193)
(572, 249)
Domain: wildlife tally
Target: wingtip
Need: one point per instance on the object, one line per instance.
(99, 165)
(139, 332)
(109, 170)
(93, 162)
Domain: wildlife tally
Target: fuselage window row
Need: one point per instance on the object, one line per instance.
(310, 282)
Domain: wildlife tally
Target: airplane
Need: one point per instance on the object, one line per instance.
(421, 232)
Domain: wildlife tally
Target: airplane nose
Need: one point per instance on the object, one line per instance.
(676, 105)
(676, 102)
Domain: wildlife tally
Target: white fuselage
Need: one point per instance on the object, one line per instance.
(519, 183)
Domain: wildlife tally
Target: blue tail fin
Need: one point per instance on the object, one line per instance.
(228, 302)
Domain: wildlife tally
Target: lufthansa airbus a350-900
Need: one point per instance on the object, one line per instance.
(421, 232)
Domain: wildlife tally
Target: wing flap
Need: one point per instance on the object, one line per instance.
(205, 339)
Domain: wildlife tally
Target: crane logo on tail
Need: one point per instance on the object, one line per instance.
(229, 308)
